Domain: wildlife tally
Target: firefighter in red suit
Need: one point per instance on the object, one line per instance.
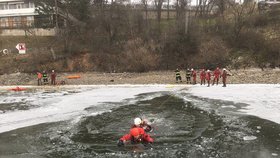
(194, 76)
(224, 77)
(202, 77)
(136, 135)
(217, 74)
(208, 77)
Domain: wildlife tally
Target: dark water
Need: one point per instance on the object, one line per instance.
(195, 128)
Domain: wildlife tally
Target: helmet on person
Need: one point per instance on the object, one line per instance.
(192, 69)
(135, 132)
(208, 70)
(137, 121)
(224, 69)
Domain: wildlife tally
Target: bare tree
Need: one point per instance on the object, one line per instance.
(182, 14)
(168, 2)
(204, 7)
(145, 5)
(241, 13)
(158, 5)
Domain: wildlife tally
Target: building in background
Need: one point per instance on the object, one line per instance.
(16, 13)
(19, 16)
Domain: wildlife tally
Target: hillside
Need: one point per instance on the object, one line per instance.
(242, 37)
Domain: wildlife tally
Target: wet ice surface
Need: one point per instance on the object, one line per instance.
(56, 106)
(263, 99)
(88, 122)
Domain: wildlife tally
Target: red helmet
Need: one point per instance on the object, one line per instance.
(134, 132)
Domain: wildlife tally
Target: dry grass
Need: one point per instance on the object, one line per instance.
(270, 76)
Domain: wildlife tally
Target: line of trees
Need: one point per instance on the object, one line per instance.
(120, 37)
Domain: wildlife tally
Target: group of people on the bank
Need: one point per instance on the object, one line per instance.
(205, 76)
(43, 78)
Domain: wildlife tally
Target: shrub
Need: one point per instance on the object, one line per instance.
(213, 52)
(138, 56)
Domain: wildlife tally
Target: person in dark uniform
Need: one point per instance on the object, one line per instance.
(45, 78)
(188, 76)
(178, 75)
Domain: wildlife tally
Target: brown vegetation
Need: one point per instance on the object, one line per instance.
(119, 38)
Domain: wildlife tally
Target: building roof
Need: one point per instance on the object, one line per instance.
(10, 0)
(29, 11)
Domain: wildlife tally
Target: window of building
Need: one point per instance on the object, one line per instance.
(25, 5)
(30, 21)
(3, 22)
(17, 22)
(12, 6)
(2, 6)
(31, 5)
(19, 5)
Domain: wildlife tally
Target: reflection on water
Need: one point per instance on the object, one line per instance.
(181, 129)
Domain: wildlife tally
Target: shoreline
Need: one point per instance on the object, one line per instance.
(67, 87)
(247, 76)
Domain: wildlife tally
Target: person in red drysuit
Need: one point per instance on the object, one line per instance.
(53, 76)
(194, 76)
(224, 77)
(208, 77)
(39, 78)
(136, 135)
(202, 77)
(217, 74)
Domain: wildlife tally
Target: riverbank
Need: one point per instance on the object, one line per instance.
(246, 76)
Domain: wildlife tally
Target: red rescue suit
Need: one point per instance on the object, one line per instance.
(194, 76)
(53, 76)
(144, 138)
(224, 77)
(202, 77)
(208, 77)
(217, 74)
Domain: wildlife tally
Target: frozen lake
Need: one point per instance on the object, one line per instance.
(189, 121)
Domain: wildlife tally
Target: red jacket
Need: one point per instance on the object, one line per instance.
(194, 74)
(39, 75)
(217, 73)
(53, 75)
(208, 76)
(224, 75)
(143, 137)
(202, 75)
